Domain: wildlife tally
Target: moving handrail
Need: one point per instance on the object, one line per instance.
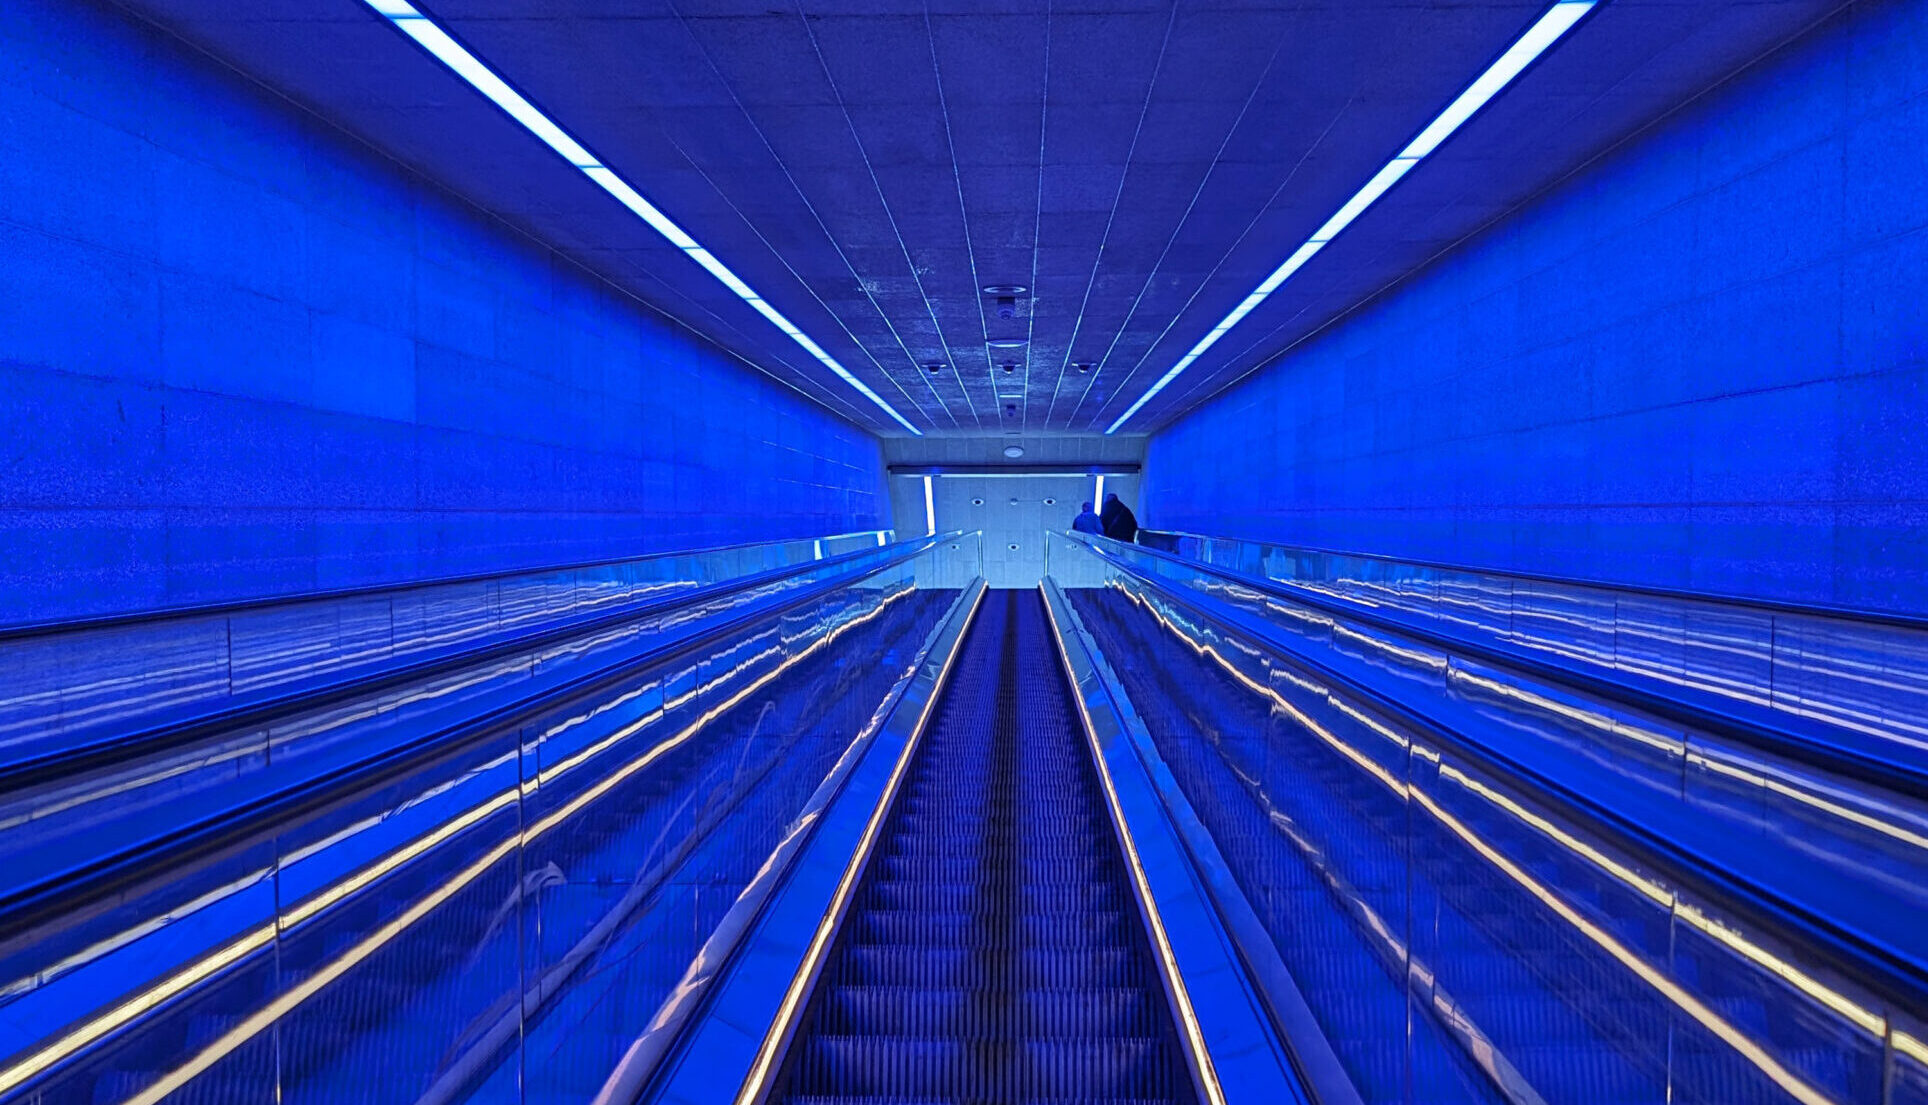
(71, 680)
(1883, 969)
(1303, 1046)
(896, 724)
(1202, 545)
(23, 630)
(64, 752)
(213, 833)
(1811, 740)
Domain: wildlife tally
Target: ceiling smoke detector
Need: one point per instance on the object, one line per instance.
(1007, 298)
(1014, 451)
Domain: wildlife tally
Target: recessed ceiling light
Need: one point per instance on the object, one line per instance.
(1553, 23)
(1005, 289)
(438, 42)
(934, 368)
(1007, 343)
(1014, 451)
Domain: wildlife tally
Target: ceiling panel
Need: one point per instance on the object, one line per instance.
(869, 165)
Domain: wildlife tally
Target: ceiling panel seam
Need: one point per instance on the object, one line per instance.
(896, 232)
(1144, 109)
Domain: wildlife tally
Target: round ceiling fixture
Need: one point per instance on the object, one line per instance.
(1005, 289)
(1084, 367)
(977, 502)
(934, 368)
(1007, 343)
(1014, 451)
(1050, 502)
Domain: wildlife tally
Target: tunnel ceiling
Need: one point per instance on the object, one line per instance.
(868, 166)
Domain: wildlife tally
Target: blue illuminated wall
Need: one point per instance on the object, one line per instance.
(240, 355)
(1700, 364)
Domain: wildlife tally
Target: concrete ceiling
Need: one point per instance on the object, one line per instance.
(869, 165)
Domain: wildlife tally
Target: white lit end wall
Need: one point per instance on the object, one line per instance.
(1555, 22)
(440, 44)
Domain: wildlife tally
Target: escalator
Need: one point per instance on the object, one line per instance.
(1513, 959)
(952, 898)
(995, 951)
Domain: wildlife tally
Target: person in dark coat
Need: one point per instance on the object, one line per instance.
(1119, 522)
(1088, 521)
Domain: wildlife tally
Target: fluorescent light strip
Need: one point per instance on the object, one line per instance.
(480, 77)
(1555, 22)
(930, 510)
(1558, 20)
(1364, 198)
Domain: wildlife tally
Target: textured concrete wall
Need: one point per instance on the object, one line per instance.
(1701, 364)
(240, 355)
(1010, 512)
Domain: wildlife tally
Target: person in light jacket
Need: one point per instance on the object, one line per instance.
(1088, 521)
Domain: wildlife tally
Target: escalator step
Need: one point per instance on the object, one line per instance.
(852, 1099)
(946, 867)
(1091, 928)
(1007, 1069)
(970, 968)
(951, 897)
(959, 1013)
